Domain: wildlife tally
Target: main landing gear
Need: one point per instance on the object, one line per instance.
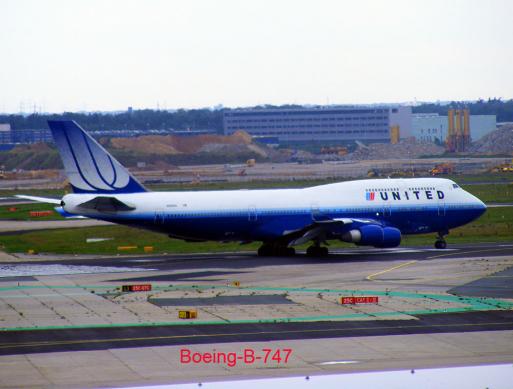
(440, 241)
(270, 250)
(317, 251)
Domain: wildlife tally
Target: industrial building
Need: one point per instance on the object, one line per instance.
(432, 127)
(10, 135)
(332, 124)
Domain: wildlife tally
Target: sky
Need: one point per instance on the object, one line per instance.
(70, 55)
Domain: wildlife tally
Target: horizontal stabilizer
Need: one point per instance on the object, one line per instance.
(40, 199)
(106, 204)
(68, 215)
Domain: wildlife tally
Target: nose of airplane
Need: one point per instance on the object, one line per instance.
(483, 206)
(478, 205)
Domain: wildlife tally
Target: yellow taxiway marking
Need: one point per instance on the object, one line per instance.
(371, 277)
(88, 341)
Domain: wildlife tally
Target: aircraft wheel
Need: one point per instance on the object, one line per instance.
(440, 244)
(265, 251)
(291, 251)
(284, 251)
(317, 251)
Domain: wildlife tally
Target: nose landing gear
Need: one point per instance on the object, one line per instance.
(440, 241)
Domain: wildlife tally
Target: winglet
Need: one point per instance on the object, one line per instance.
(89, 167)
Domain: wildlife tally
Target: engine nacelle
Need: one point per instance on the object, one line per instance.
(373, 235)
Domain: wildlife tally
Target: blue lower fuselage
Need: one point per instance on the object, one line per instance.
(267, 225)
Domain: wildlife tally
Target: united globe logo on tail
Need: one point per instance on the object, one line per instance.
(89, 167)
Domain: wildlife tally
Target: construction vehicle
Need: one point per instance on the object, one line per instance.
(442, 168)
(337, 150)
(372, 173)
(506, 167)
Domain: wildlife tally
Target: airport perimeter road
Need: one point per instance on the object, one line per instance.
(22, 225)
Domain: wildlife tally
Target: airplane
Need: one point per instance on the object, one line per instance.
(370, 212)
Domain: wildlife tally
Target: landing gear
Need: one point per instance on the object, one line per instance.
(269, 250)
(440, 244)
(265, 250)
(317, 251)
(440, 241)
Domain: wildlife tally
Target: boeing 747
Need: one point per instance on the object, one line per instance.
(376, 212)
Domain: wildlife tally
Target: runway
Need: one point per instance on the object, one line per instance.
(42, 341)
(240, 261)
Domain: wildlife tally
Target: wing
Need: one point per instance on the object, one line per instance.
(320, 229)
(106, 204)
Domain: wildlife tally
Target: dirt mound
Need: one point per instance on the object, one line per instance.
(172, 144)
(403, 150)
(496, 142)
(34, 148)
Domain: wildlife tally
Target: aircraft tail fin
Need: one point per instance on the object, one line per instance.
(89, 167)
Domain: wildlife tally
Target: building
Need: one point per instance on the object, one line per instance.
(319, 124)
(5, 133)
(428, 127)
(11, 136)
(31, 135)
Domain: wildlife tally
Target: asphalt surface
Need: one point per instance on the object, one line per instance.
(498, 285)
(208, 265)
(43, 341)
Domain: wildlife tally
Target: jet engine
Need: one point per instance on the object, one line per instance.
(373, 235)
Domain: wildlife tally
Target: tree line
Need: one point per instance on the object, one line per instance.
(201, 119)
(503, 109)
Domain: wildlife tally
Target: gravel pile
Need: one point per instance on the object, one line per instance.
(497, 142)
(402, 150)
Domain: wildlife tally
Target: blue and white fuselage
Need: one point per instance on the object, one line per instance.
(413, 206)
(374, 212)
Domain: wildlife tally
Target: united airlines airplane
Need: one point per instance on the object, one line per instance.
(374, 212)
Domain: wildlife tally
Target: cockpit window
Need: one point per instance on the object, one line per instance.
(455, 186)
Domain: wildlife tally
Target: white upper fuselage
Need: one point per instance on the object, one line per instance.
(396, 193)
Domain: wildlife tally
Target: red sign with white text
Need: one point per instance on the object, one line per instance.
(359, 300)
(136, 288)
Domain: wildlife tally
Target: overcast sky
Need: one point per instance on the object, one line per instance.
(108, 55)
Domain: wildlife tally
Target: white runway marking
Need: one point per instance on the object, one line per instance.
(50, 270)
(337, 363)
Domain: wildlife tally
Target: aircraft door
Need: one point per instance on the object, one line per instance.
(252, 213)
(159, 217)
(315, 211)
(441, 207)
(387, 210)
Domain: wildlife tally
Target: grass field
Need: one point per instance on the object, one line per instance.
(22, 212)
